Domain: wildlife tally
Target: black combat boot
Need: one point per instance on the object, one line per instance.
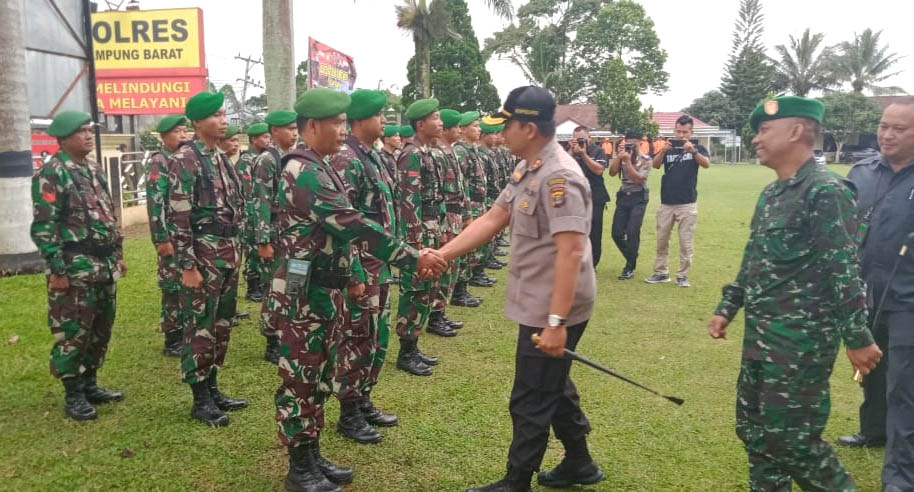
(204, 409)
(480, 279)
(174, 343)
(408, 359)
(374, 415)
(255, 291)
(224, 403)
(352, 424)
(502, 242)
(494, 264)
(500, 252)
(96, 395)
(304, 474)
(577, 467)
(463, 298)
(271, 354)
(337, 474)
(456, 325)
(437, 325)
(75, 404)
(515, 481)
(427, 359)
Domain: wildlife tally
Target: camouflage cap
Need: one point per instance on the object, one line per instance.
(257, 129)
(281, 117)
(450, 118)
(203, 105)
(321, 103)
(421, 108)
(787, 107)
(365, 104)
(67, 122)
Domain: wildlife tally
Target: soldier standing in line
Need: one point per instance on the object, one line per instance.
(316, 225)
(76, 232)
(366, 331)
(205, 209)
(421, 216)
(453, 190)
(389, 153)
(475, 190)
(407, 132)
(173, 130)
(265, 174)
(259, 135)
(508, 162)
(229, 144)
(493, 187)
(801, 287)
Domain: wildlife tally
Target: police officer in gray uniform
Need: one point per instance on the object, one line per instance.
(551, 290)
(885, 194)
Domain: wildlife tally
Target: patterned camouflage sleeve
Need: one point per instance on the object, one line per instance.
(157, 197)
(409, 205)
(834, 222)
(263, 175)
(182, 178)
(359, 275)
(49, 192)
(734, 293)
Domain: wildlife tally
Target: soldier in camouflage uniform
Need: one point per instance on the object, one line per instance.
(475, 190)
(391, 149)
(509, 162)
(205, 209)
(366, 331)
(315, 226)
(800, 284)
(229, 144)
(453, 188)
(421, 214)
(407, 132)
(76, 232)
(492, 164)
(259, 136)
(265, 176)
(173, 130)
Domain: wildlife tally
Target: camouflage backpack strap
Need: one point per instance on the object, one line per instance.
(363, 156)
(204, 169)
(309, 155)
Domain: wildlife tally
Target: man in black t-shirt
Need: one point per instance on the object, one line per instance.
(680, 159)
(593, 162)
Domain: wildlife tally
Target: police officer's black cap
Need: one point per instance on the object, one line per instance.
(528, 103)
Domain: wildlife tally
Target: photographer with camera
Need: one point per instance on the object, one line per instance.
(680, 158)
(632, 166)
(593, 162)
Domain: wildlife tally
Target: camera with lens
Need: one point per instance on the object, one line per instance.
(678, 144)
(631, 148)
(582, 143)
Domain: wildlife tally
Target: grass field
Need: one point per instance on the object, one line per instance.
(455, 426)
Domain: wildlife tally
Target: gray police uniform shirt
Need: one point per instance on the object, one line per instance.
(887, 198)
(643, 167)
(545, 197)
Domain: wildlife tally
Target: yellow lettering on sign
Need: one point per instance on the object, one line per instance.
(138, 39)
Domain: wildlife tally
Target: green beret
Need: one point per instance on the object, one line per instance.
(67, 122)
(321, 103)
(391, 130)
(421, 108)
(487, 128)
(281, 117)
(365, 104)
(231, 130)
(787, 107)
(169, 122)
(468, 118)
(450, 118)
(203, 105)
(407, 131)
(257, 129)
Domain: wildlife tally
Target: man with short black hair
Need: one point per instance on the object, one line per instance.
(593, 162)
(678, 199)
(631, 201)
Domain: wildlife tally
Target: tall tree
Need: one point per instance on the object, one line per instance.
(617, 101)
(748, 75)
(278, 53)
(459, 78)
(804, 64)
(849, 113)
(865, 64)
(714, 108)
(429, 21)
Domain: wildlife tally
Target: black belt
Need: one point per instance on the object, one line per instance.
(329, 280)
(430, 210)
(91, 248)
(455, 208)
(217, 229)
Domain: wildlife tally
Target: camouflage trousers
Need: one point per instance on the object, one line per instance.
(363, 343)
(416, 299)
(265, 270)
(781, 411)
(309, 336)
(80, 319)
(208, 314)
(170, 283)
(446, 284)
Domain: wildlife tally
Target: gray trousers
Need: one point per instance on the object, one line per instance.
(899, 448)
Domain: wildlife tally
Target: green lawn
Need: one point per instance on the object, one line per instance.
(455, 426)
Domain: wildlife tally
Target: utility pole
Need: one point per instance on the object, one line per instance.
(248, 63)
(278, 53)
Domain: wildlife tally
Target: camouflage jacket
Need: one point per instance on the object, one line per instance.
(474, 171)
(243, 166)
(420, 204)
(490, 164)
(317, 222)
(71, 203)
(204, 192)
(157, 196)
(800, 279)
(390, 162)
(265, 175)
(508, 163)
(453, 185)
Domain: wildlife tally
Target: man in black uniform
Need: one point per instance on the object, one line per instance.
(593, 162)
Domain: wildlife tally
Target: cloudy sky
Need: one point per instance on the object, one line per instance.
(696, 36)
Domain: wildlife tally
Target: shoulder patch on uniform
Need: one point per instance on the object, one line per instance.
(556, 181)
(557, 193)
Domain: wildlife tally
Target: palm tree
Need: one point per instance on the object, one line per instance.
(429, 21)
(864, 63)
(803, 67)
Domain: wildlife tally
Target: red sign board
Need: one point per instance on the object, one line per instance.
(43, 145)
(330, 68)
(147, 95)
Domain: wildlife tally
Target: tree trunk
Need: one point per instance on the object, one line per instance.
(278, 54)
(17, 251)
(423, 56)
